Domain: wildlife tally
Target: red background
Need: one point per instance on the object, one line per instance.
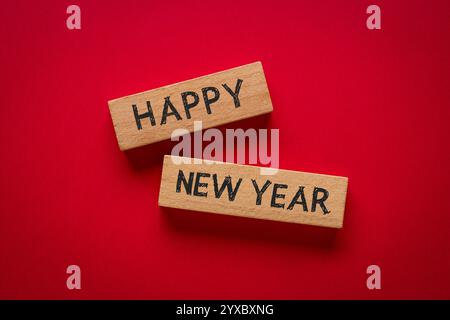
(369, 105)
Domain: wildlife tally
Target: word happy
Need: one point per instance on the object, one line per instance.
(190, 100)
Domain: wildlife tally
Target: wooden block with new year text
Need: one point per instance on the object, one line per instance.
(241, 190)
(215, 99)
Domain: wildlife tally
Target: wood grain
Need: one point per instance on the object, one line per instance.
(252, 99)
(284, 204)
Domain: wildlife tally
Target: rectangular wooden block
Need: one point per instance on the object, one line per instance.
(216, 99)
(240, 190)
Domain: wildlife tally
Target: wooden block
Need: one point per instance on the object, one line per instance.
(241, 190)
(216, 99)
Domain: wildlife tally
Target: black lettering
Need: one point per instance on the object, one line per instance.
(276, 195)
(210, 101)
(226, 184)
(188, 106)
(259, 192)
(148, 114)
(235, 93)
(320, 201)
(199, 184)
(187, 184)
(168, 104)
(299, 194)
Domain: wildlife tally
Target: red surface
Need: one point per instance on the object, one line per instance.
(370, 105)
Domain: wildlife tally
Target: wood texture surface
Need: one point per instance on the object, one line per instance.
(289, 196)
(215, 99)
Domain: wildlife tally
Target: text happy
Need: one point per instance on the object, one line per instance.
(190, 100)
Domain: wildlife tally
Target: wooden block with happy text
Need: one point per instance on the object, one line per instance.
(241, 190)
(215, 99)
